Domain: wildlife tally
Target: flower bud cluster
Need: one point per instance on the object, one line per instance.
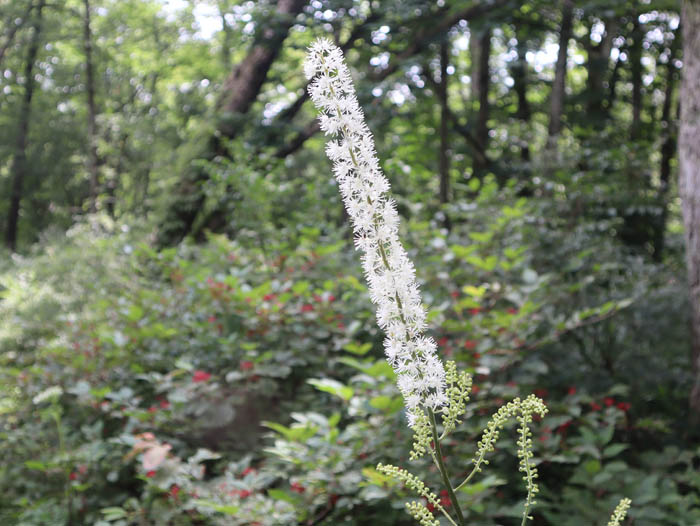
(419, 512)
(459, 385)
(389, 272)
(525, 409)
(620, 512)
(411, 482)
(422, 436)
(528, 407)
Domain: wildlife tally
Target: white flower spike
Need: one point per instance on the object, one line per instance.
(390, 274)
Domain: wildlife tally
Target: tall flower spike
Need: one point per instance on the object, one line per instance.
(389, 272)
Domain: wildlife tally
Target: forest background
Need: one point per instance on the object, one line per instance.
(186, 337)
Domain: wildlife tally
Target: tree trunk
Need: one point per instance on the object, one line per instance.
(636, 67)
(614, 78)
(480, 49)
(242, 86)
(556, 109)
(240, 91)
(19, 164)
(689, 180)
(92, 161)
(597, 68)
(519, 74)
(444, 160)
(668, 148)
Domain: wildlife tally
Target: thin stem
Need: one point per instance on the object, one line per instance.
(474, 471)
(443, 468)
(528, 473)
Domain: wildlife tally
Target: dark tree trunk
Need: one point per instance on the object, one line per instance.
(689, 180)
(597, 68)
(636, 67)
(242, 86)
(559, 86)
(614, 78)
(240, 91)
(444, 160)
(92, 160)
(519, 74)
(668, 148)
(480, 49)
(19, 164)
(112, 182)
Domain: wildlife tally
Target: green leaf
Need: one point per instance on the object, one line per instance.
(358, 348)
(475, 292)
(488, 264)
(278, 494)
(461, 251)
(114, 513)
(481, 237)
(375, 477)
(221, 508)
(592, 466)
(135, 313)
(614, 450)
(488, 482)
(35, 464)
(327, 385)
(300, 287)
(387, 404)
(298, 433)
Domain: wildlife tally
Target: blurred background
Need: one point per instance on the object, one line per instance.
(185, 334)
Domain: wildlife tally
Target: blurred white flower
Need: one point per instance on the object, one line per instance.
(48, 394)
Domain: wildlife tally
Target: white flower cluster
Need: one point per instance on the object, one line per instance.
(390, 274)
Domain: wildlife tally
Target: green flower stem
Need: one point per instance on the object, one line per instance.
(443, 469)
(474, 471)
(529, 495)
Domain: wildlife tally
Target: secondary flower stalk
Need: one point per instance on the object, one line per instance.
(390, 274)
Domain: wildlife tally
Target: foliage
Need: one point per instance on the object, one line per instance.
(209, 341)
